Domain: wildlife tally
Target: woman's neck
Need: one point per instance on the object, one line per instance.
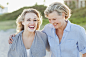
(62, 27)
(27, 34)
(28, 38)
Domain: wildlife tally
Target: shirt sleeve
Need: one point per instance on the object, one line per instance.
(44, 30)
(47, 44)
(11, 51)
(82, 41)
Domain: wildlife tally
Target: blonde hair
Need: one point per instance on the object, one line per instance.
(20, 26)
(59, 8)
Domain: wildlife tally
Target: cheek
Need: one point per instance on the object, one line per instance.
(27, 22)
(58, 21)
(49, 21)
(36, 24)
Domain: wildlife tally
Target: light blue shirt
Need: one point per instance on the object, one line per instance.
(73, 41)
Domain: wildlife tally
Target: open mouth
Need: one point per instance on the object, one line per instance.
(31, 27)
(55, 24)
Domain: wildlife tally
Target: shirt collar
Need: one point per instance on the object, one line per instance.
(68, 26)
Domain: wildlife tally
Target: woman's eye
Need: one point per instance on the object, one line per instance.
(49, 19)
(28, 20)
(54, 19)
(35, 20)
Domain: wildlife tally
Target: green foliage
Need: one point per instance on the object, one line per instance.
(79, 16)
(79, 13)
(71, 5)
(45, 21)
(4, 25)
(78, 20)
(15, 14)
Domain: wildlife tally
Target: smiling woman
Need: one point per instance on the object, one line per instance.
(27, 18)
(28, 42)
(65, 38)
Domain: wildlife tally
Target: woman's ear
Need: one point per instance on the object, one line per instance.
(63, 15)
(22, 22)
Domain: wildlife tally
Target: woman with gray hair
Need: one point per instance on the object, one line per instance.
(28, 42)
(65, 38)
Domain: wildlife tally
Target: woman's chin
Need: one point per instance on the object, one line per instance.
(31, 30)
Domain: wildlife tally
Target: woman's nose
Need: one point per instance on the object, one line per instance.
(52, 21)
(32, 22)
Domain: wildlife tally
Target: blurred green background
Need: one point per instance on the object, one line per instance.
(8, 20)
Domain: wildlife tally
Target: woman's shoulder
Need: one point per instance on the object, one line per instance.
(48, 26)
(42, 36)
(17, 35)
(76, 27)
(40, 33)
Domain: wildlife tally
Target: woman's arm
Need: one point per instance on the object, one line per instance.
(84, 55)
(82, 41)
(10, 39)
(48, 46)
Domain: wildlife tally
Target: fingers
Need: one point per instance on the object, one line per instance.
(10, 39)
(13, 35)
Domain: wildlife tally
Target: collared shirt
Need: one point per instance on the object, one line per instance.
(73, 40)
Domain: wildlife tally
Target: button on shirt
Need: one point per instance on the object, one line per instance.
(73, 40)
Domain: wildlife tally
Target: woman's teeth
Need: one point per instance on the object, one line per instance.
(55, 24)
(31, 27)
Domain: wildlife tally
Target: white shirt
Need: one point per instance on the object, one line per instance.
(28, 52)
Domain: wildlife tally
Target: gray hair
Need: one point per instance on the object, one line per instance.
(59, 8)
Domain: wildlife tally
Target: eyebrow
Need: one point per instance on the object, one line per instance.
(33, 18)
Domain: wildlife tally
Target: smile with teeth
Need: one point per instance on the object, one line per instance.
(31, 27)
(55, 24)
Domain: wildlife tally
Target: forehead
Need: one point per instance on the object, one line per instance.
(53, 14)
(30, 15)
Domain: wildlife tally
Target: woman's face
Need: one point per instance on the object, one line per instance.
(56, 20)
(30, 22)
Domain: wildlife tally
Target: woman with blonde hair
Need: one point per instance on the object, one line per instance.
(28, 42)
